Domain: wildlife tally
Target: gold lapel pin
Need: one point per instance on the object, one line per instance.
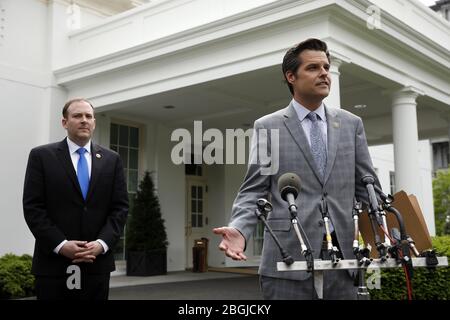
(336, 124)
(98, 155)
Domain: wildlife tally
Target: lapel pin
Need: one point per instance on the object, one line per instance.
(336, 124)
(98, 155)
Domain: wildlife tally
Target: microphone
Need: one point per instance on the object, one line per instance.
(289, 187)
(264, 207)
(376, 216)
(369, 181)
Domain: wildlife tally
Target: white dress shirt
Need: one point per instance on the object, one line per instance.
(302, 112)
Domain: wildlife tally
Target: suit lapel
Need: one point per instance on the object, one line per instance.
(294, 126)
(333, 133)
(97, 159)
(64, 157)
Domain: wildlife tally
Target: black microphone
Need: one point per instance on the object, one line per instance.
(289, 187)
(264, 207)
(369, 181)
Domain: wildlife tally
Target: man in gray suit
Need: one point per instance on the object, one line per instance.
(327, 148)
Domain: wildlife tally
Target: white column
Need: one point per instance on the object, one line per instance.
(334, 98)
(405, 136)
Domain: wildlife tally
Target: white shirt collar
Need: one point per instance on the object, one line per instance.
(302, 112)
(73, 147)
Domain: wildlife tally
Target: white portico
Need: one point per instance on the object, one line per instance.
(221, 64)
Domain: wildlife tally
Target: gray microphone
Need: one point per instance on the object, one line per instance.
(289, 187)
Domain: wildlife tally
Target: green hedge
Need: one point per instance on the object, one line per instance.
(16, 280)
(426, 284)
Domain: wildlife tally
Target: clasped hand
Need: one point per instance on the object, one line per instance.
(81, 251)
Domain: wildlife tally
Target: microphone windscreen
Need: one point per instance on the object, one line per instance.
(288, 183)
(368, 179)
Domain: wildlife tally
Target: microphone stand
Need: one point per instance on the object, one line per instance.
(305, 247)
(361, 253)
(377, 217)
(332, 250)
(304, 242)
(401, 250)
(264, 207)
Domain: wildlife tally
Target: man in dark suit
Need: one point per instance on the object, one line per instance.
(75, 203)
(327, 148)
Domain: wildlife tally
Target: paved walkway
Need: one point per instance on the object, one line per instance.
(186, 285)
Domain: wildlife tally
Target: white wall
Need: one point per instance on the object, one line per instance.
(383, 160)
(23, 75)
(216, 212)
(171, 188)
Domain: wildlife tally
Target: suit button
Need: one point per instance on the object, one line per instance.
(320, 223)
(325, 193)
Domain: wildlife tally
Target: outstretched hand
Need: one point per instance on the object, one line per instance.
(233, 242)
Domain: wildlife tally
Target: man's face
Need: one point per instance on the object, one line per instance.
(80, 122)
(312, 80)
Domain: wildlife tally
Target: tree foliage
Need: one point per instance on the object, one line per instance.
(145, 229)
(441, 195)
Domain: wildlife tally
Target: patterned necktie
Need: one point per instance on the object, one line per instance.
(318, 147)
(83, 172)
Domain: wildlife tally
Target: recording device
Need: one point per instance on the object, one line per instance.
(264, 207)
(377, 217)
(289, 187)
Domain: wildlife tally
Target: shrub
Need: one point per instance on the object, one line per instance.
(441, 195)
(426, 284)
(16, 280)
(145, 229)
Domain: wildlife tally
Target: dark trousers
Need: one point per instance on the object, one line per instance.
(93, 287)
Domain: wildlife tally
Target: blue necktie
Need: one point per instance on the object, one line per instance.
(83, 172)
(318, 147)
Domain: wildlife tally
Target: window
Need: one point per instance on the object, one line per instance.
(197, 206)
(125, 141)
(392, 181)
(440, 155)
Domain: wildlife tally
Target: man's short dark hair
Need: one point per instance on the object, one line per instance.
(291, 60)
(68, 103)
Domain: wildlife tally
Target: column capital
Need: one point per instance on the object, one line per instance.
(405, 95)
(405, 91)
(336, 59)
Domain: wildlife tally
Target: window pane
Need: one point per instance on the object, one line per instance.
(133, 159)
(113, 133)
(200, 220)
(132, 180)
(134, 137)
(200, 192)
(123, 136)
(193, 206)
(200, 206)
(193, 221)
(124, 156)
(193, 192)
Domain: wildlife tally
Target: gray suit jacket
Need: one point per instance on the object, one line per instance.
(348, 160)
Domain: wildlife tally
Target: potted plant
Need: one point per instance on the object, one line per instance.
(146, 238)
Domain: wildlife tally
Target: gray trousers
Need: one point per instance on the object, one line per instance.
(337, 285)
